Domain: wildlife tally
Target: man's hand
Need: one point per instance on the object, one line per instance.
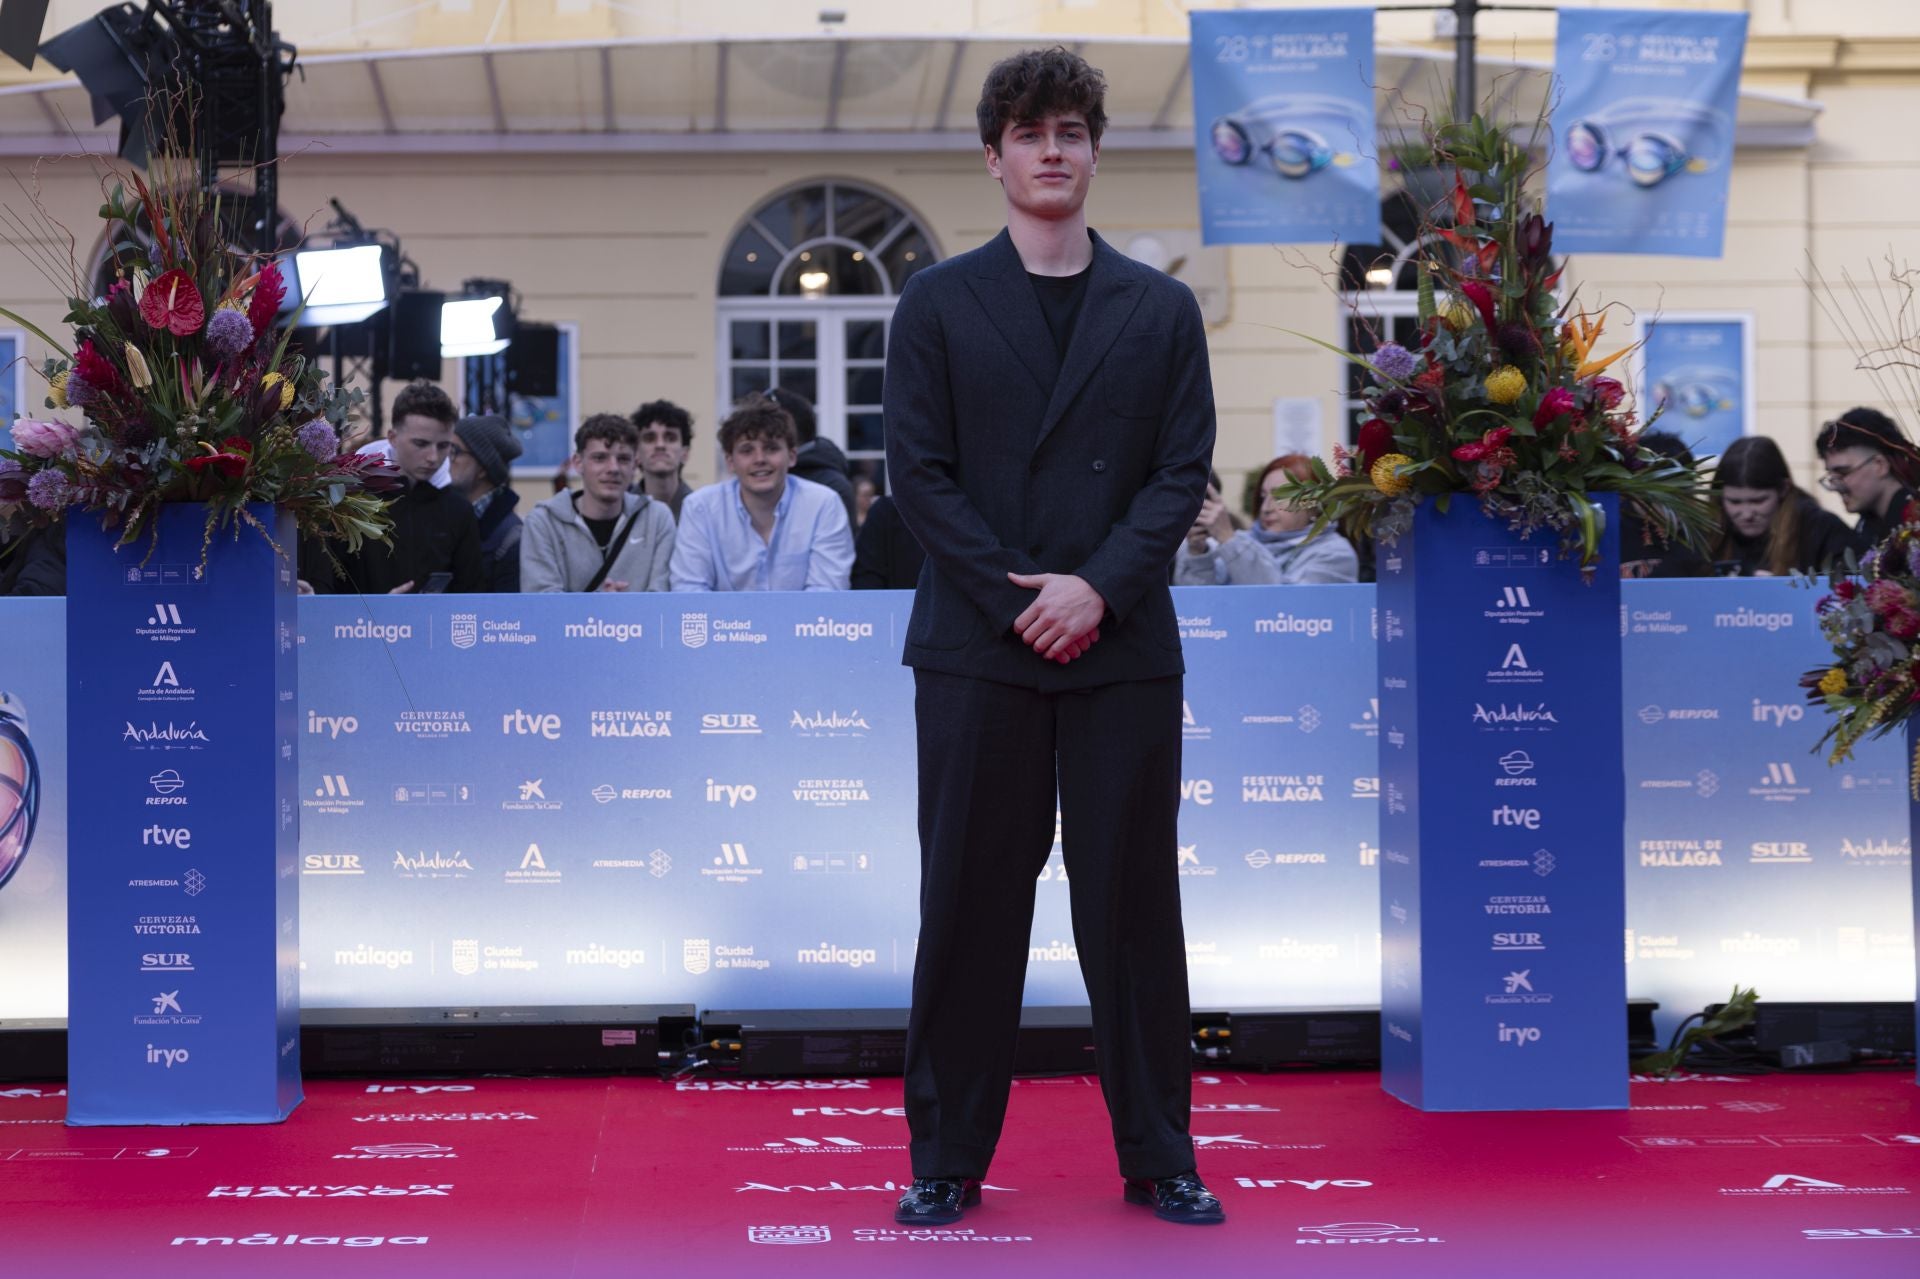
(1213, 516)
(405, 588)
(614, 585)
(1064, 621)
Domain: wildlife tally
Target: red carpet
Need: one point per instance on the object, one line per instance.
(1322, 1174)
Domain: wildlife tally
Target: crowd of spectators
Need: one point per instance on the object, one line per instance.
(792, 514)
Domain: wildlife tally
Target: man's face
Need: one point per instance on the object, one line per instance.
(606, 468)
(1859, 475)
(420, 445)
(1045, 165)
(761, 465)
(663, 450)
(465, 471)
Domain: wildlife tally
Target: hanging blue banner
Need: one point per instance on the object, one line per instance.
(1283, 124)
(1643, 131)
(1696, 371)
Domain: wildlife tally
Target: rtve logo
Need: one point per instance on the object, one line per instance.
(519, 723)
(1508, 815)
(176, 837)
(1199, 790)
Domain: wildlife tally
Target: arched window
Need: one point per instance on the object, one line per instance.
(806, 292)
(1379, 297)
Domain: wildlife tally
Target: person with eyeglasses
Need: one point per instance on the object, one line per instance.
(1870, 464)
(484, 447)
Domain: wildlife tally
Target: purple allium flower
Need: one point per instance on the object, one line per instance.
(49, 490)
(80, 392)
(319, 439)
(228, 333)
(1392, 362)
(1913, 558)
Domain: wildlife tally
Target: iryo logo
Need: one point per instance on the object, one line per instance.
(1778, 714)
(167, 1057)
(331, 725)
(1519, 1036)
(733, 795)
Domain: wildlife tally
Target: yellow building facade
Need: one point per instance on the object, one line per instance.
(606, 159)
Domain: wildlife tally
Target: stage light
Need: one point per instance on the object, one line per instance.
(340, 286)
(1380, 277)
(473, 326)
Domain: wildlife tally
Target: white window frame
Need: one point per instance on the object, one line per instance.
(829, 317)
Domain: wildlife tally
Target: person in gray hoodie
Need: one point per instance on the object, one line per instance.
(1275, 551)
(601, 538)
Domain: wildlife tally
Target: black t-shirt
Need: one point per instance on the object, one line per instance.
(602, 530)
(1060, 298)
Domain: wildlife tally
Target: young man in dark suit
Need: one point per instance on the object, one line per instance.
(1050, 423)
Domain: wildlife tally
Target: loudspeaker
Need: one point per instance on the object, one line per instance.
(533, 360)
(413, 335)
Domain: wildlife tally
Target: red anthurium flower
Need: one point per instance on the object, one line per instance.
(231, 462)
(1375, 441)
(173, 303)
(1553, 404)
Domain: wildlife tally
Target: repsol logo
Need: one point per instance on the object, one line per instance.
(1289, 624)
(827, 628)
(1753, 619)
(366, 630)
(1778, 714)
(331, 725)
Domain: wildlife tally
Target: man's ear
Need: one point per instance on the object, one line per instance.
(993, 161)
(1095, 166)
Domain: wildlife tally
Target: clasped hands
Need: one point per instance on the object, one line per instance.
(1063, 621)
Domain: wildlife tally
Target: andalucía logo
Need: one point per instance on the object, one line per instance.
(173, 737)
(1516, 718)
(829, 724)
(165, 686)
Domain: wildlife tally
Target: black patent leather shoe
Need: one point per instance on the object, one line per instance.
(936, 1201)
(1183, 1198)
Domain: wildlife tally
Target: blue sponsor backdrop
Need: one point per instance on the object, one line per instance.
(1502, 894)
(1643, 131)
(1279, 825)
(1283, 124)
(183, 914)
(1696, 371)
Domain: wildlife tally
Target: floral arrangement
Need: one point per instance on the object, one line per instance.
(1873, 623)
(179, 389)
(1503, 395)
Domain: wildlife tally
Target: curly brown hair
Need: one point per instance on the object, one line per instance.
(758, 417)
(1037, 83)
(612, 428)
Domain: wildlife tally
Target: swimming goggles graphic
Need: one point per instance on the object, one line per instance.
(1652, 138)
(19, 787)
(1278, 129)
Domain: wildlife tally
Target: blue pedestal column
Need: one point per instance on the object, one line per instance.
(1913, 845)
(183, 910)
(1502, 871)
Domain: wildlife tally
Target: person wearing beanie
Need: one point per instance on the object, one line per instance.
(483, 451)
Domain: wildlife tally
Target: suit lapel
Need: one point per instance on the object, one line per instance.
(1000, 286)
(1113, 292)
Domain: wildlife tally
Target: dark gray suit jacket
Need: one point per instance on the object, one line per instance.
(1004, 458)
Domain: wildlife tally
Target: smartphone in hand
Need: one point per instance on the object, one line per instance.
(436, 583)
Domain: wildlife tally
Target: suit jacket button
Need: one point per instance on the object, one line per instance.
(1099, 465)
